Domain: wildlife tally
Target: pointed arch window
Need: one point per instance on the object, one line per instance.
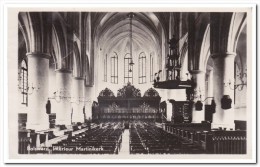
(114, 68)
(142, 68)
(105, 69)
(151, 68)
(24, 82)
(128, 71)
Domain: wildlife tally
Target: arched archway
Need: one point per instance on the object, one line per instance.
(61, 44)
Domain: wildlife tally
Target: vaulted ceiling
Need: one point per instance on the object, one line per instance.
(112, 31)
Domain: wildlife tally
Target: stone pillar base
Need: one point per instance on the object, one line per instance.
(78, 118)
(64, 122)
(169, 111)
(228, 126)
(198, 116)
(38, 127)
(164, 126)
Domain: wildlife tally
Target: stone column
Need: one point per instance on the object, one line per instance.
(77, 92)
(169, 111)
(63, 83)
(210, 85)
(38, 82)
(199, 94)
(223, 75)
(88, 101)
(170, 95)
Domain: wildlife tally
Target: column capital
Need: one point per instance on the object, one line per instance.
(38, 55)
(223, 55)
(78, 78)
(63, 70)
(197, 72)
(209, 68)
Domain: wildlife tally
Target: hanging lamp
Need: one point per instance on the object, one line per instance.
(131, 15)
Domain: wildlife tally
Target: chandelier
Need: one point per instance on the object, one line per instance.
(130, 16)
(24, 87)
(64, 95)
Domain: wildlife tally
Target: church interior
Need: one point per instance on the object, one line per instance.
(132, 83)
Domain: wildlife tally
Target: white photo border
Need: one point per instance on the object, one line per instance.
(192, 7)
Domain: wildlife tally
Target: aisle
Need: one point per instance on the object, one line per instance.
(125, 150)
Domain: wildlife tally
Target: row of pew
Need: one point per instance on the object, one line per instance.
(29, 138)
(147, 138)
(103, 139)
(212, 141)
